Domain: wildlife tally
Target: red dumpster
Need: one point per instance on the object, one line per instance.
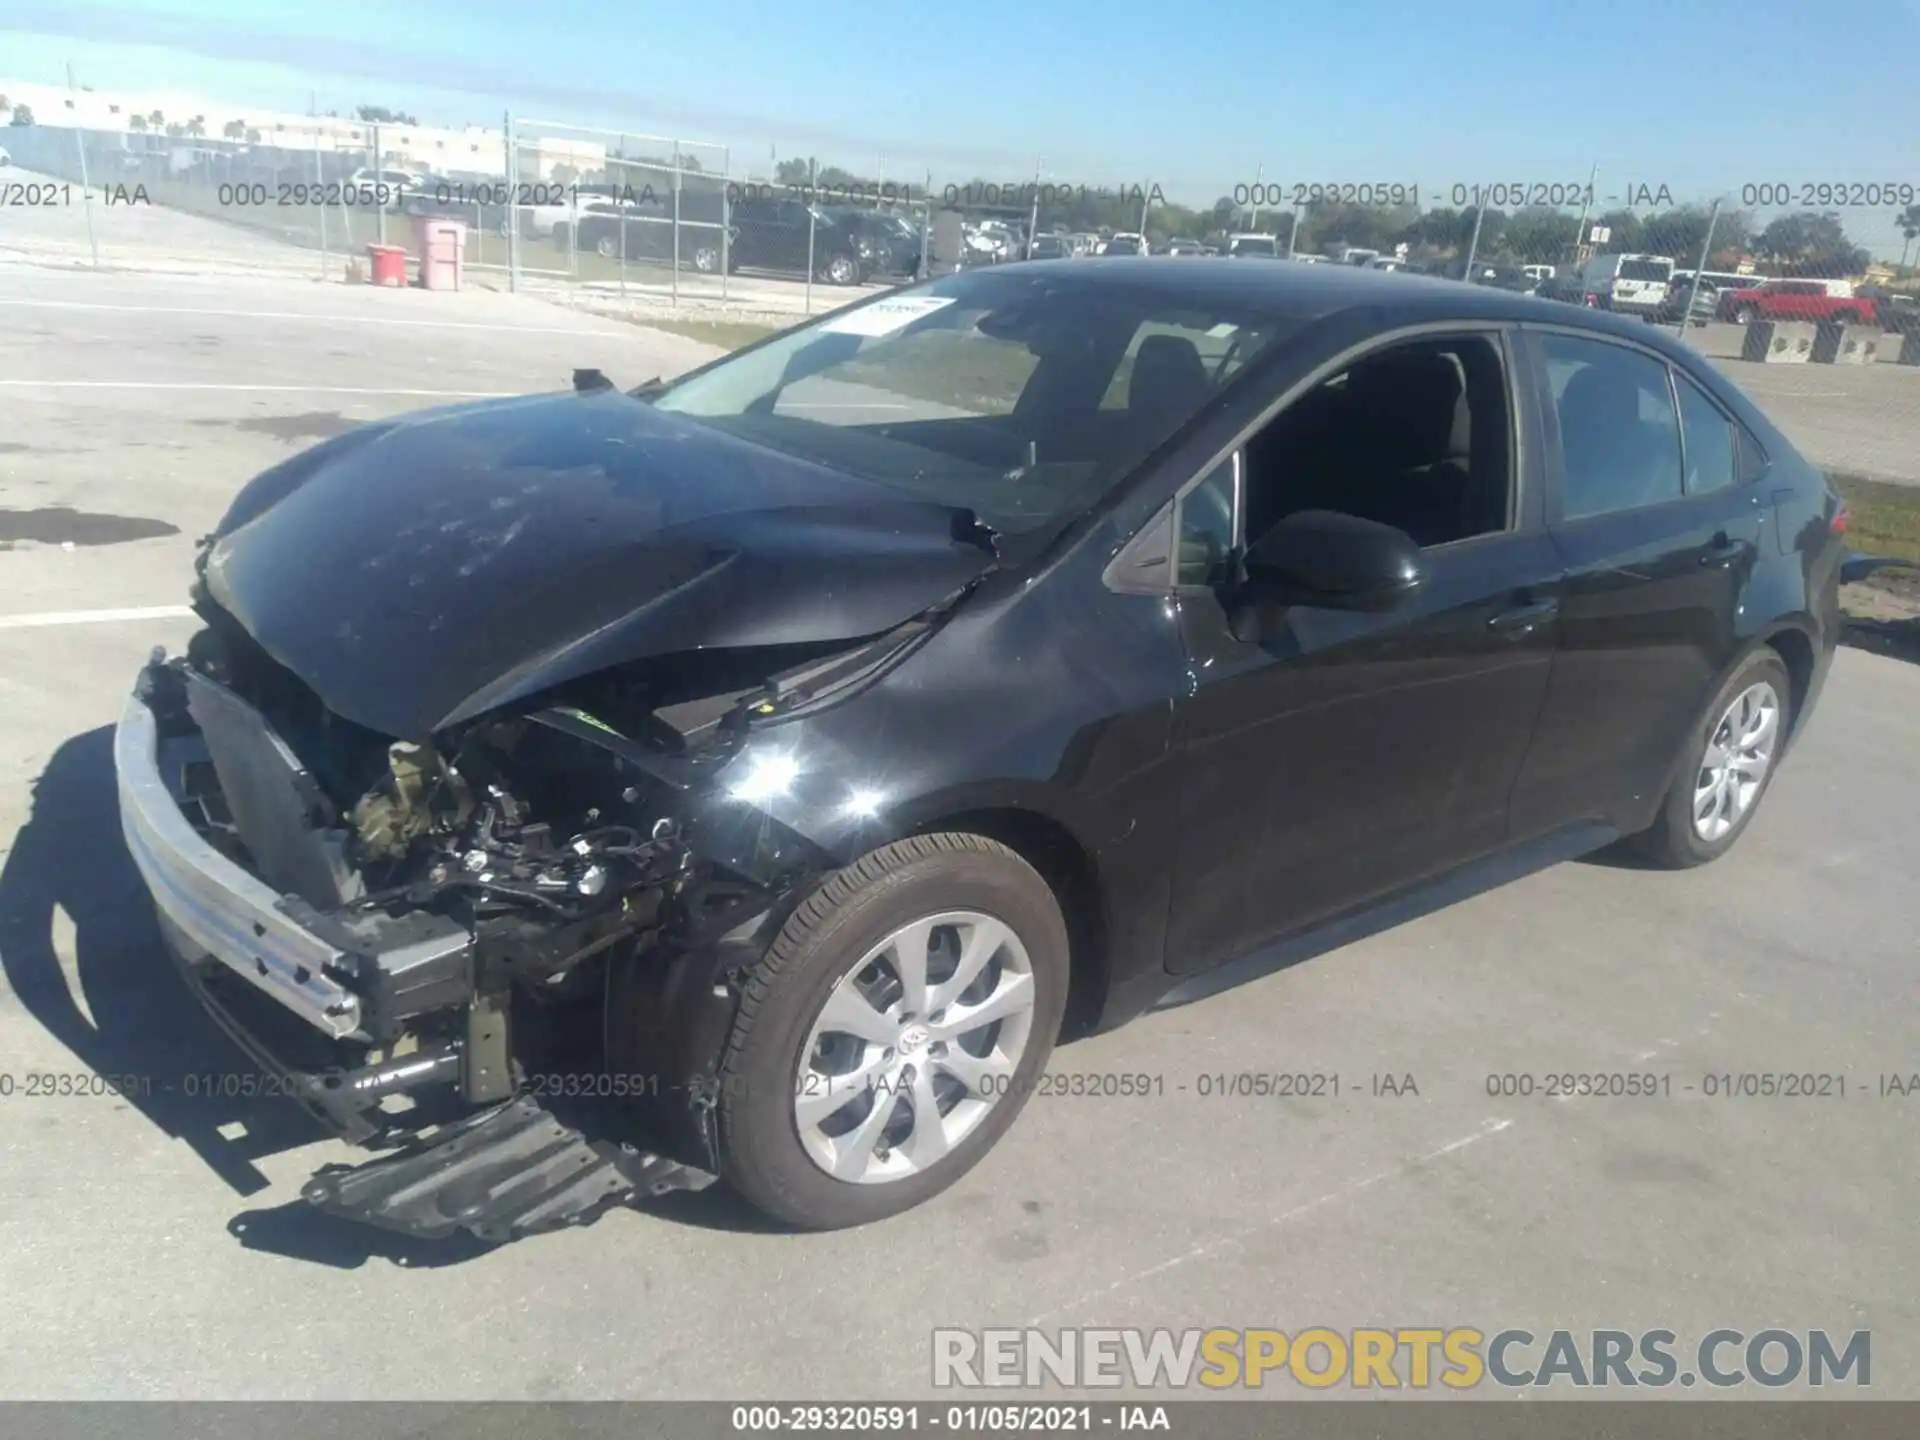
(387, 264)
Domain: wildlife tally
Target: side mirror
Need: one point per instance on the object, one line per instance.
(1328, 560)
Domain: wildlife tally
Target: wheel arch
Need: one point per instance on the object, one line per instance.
(1793, 642)
(1072, 873)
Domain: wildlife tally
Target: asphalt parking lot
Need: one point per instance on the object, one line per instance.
(156, 1248)
(1862, 419)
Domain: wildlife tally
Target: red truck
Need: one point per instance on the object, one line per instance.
(1830, 300)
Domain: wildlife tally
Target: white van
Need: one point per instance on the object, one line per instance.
(1636, 284)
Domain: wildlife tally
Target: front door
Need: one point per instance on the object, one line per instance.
(1348, 755)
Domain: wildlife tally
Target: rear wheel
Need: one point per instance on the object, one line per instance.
(1745, 314)
(607, 247)
(892, 1032)
(841, 270)
(1725, 769)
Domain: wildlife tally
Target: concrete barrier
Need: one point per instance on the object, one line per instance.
(1847, 344)
(1779, 342)
(1900, 347)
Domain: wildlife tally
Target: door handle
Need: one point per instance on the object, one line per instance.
(1522, 619)
(1724, 552)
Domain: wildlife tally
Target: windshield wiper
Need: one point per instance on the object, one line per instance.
(649, 389)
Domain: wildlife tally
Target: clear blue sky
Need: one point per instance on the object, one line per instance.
(1699, 96)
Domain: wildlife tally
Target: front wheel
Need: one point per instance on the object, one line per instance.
(606, 247)
(1725, 768)
(892, 1032)
(1745, 315)
(842, 270)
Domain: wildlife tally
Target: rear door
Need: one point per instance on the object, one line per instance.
(1660, 532)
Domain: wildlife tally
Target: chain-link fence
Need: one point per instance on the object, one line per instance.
(670, 219)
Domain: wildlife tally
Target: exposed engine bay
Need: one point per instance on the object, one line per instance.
(539, 921)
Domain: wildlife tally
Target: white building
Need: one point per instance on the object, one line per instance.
(474, 150)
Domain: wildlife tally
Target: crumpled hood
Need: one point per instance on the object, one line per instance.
(419, 572)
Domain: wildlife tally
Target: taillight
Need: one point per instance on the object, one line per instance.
(1839, 522)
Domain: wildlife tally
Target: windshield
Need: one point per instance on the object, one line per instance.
(1261, 246)
(1020, 397)
(1659, 270)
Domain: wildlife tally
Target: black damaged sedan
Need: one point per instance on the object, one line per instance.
(582, 796)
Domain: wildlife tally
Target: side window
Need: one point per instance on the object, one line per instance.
(1619, 432)
(1415, 436)
(1208, 517)
(1709, 440)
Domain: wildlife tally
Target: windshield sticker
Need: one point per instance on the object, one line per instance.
(883, 317)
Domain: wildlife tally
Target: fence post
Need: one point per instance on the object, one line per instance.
(726, 217)
(319, 179)
(675, 238)
(1473, 245)
(513, 218)
(86, 190)
(810, 188)
(1706, 249)
(379, 190)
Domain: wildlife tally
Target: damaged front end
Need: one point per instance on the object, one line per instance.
(507, 955)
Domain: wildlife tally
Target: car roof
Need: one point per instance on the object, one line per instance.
(1314, 292)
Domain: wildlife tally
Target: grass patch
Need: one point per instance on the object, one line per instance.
(727, 334)
(1883, 519)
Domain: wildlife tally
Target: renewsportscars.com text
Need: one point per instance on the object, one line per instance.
(1397, 1357)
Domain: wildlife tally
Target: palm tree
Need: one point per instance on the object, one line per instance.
(197, 126)
(137, 122)
(1909, 223)
(234, 129)
(156, 119)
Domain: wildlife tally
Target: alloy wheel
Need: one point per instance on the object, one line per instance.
(1734, 765)
(915, 1045)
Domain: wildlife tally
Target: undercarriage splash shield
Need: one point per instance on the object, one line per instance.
(508, 1172)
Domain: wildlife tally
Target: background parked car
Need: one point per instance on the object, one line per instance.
(1698, 297)
(1816, 300)
(645, 232)
(1569, 289)
(1253, 247)
(884, 251)
(1632, 284)
(1897, 310)
(774, 235)
(1125, 243)
(1049, 247)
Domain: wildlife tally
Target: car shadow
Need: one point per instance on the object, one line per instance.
(1899, 639)
(125, 1013)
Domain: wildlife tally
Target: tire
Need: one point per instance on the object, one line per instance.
(841, 270)
(1674, 840)
(706, 259)
(816, 959)
(1745, 315)
(607, 247)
